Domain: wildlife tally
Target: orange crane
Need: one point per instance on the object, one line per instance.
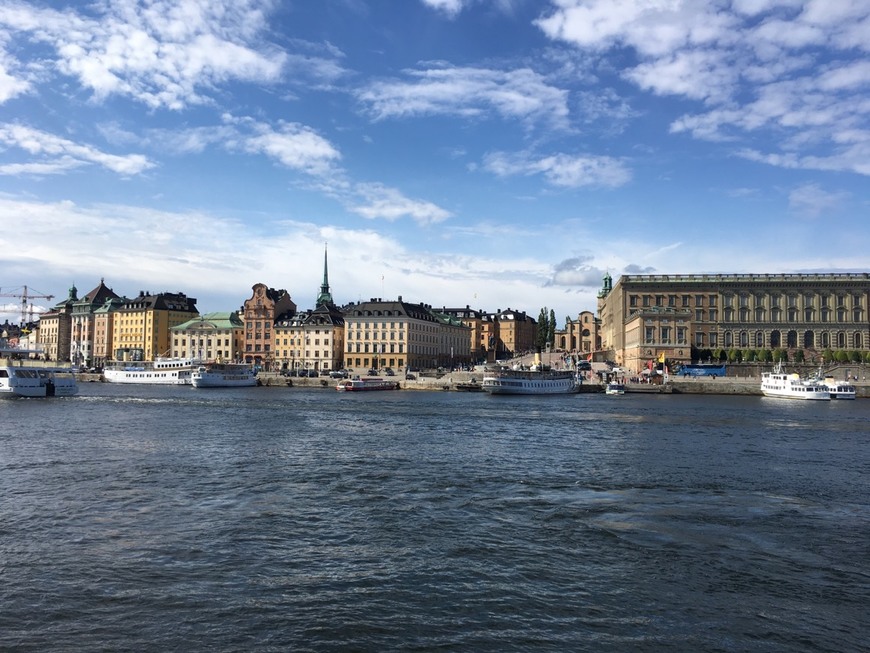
(25, 295)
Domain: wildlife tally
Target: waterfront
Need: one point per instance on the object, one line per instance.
(161, 518)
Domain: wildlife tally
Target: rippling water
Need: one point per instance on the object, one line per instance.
(157, 519)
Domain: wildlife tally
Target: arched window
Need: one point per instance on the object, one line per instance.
(858, 341)
(775, 339)
(759, 339)
(728, 341)
(809, 340)
(791, 339)
(841, 340)
(744, 339)
(826, 339)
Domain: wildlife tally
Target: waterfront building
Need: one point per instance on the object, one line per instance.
(213, 337)
(83, 324)
(55, 328)
(479, 324)
(266, 307)
(104, 330)
(313, 340)
(455, 338)
(141, 325)
(669, 317)
(397, 334)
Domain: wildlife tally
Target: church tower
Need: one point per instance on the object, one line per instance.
(325, 297)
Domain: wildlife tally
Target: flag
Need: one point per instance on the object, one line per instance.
(662, 358)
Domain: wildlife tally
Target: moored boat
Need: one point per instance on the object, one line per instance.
(839, 389)
(614, 388)
(21, 376)
(778, 383)
(366, 384)
(163, 371)
(223, 375)
(534, 380)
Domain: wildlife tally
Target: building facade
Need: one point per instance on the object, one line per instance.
(55, 329)
(580, 336)
(213, 337)
(400, 335)
(266, 307)
(83, 325)
(515, 335)
(141, 326)
(674, 317)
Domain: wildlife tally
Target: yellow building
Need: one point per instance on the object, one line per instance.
(55, 329)
(141, 326)
(399, 335)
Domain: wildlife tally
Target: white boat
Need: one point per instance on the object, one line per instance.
(614, 389)
(790, 386)
(366, 384)
(224, 375)
(534, 380)
(21, 376)
(839, 389)
(163, 371)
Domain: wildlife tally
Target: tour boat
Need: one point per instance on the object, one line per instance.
(614, 389)
(534, 380)
(224, 375)
(21, 376)
(366, 384)
(790, 386)
(163, 371)
(839, 389)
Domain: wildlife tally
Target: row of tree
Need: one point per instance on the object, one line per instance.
(827, 356)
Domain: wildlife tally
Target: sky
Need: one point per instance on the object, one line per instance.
(486, 153)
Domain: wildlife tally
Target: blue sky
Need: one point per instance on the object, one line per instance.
(491, 153)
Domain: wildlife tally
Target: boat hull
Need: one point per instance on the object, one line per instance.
(366, 385)
(529, 383)
(224, 376)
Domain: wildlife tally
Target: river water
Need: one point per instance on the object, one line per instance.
(272, 519)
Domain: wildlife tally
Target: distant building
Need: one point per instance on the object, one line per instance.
(261, 312)
(141, 326)
(104, 324)
(680, 317)
(515, 333)
(476, 321)
(312, 340)
(55, 328)
(399, 334)
(83, 324)
(579, 336)
(213, 337)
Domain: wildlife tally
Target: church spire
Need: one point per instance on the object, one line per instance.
(324, 297)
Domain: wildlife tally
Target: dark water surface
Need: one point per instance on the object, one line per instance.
(264, 519)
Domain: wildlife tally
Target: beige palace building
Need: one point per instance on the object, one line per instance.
(644, 317)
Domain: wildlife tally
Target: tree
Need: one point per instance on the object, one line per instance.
(551, 336)
(855, 357)
(799, 356)
(827, 356)
(751, 355)
(842, 356)
(542, 331)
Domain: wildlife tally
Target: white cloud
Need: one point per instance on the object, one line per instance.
(449, 7)
(165, 53)
(60, 154)
(379, 201)
(811, 201)
(764, 69)
(293, 145)
(569, 171)
(520, 94)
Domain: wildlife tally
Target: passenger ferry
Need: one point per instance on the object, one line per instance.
(366, 384)
(224, 375)
(790, 386)
(534, 380)
(614, 388)
(163, 371)
(21, 376)
(839, 389)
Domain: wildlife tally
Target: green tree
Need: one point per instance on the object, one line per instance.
(542, 331)
(765, 355)
(827, 356)
(842, 356)
(799, 356)
(551, 336)
(855, 357)
(751, 355)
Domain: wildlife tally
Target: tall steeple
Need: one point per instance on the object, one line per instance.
(325, 297)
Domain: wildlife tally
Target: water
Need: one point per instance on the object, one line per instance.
(267, 519)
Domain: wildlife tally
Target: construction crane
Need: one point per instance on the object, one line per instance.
(26, 296)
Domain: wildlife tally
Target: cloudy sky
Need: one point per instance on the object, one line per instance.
(491, 153)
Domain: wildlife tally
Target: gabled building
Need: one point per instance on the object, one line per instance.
(213, 337)
(104, 329)
(515, 333)
(83, 326)
(261, 312)
(141, 326)
(313, 340)
(580, 336)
